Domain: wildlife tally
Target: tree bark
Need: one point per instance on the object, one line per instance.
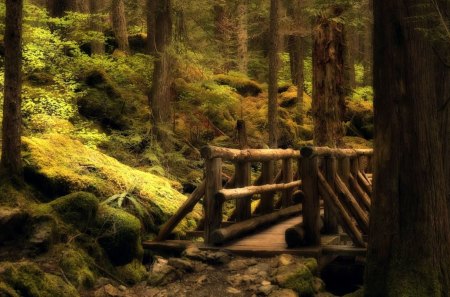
(273, 73)
(151, 25)
(96, 7)
(296, 48)
(223, 33)
(409, 225)
(160, 95)
(11, 161)
(242, 36)
(119, 23)
(328, 81)
(368, 49)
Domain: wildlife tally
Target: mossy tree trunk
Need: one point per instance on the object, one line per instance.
(96, 8)
(273, 73)
(11, 162)
(160, 94)
(119, 23)
(328, 105)
(242, 36)
(409, 242)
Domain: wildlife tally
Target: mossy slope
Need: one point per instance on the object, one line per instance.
(59, 165)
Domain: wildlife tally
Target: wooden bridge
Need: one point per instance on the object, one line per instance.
(316, 205)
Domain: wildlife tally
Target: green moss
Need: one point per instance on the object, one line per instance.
(311, 264)
(27, 279)
(7, 291)
(132, 273)
(76, 267)
(119, 235)
(77, 209)
(243, 85)
(59, 165)
(297, 277)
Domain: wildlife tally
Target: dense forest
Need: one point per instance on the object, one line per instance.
(127, 125)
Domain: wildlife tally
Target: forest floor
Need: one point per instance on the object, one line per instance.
(220, 274)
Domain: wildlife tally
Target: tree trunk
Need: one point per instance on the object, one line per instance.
(96, 8)
(328, 81)
(350, 54)
(11, 161)
(151, 25)
(296, 48)
(223, 33)
(242, 36)
(273, 73)
(409, 233)
(368, 49)
(160, 95)
(57, 8)
(119, 23)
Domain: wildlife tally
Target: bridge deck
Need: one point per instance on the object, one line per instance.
(267, 242)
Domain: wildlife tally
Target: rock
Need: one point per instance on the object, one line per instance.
(240, 264)
(231, 290)
(12, 222)
(325, 294)
(296, 277)
(161, 273)
(266, 289)
(358, 293)
(318, 285)
(101, 282)
(284, 293)
(201, 280)
(122, 288)
(194, 253)
(258, 269)
(42, 235)
(119, 234)
(108, 291)
(285, 259)
(265, 283)
(132, 273)
(218, 258)
(182, 264)
(77, 209)
(27, 279)
(75, 264)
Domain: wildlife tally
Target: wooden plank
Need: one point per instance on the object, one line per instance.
(253, 155)
(330, 218)
(230, 194)
(311, 204)
(186, 208)
(213, 206)
(266, 204)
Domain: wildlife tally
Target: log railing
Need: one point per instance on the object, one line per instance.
(339, 177)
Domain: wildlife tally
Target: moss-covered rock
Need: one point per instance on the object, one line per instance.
(243, 85)
(27, 279)
(119, 235)
(12, 222)
(296, 277)
(77, 209)
(59, 165)
(76, 267)
(132, 273)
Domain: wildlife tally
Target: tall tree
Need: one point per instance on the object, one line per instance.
(328, 79)
(224, 32)
(160, 94)
(11, 162)
(119, 24)
(368, 50)
(96, 8)
(151, 25)
(242, 35)
(273, 73)
(409, 233)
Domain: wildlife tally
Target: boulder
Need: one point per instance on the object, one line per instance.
(76, 267)
(132, 273)
(119, 234)
(296, 277)
(27, 279)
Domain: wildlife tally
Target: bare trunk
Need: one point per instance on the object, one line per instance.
(296, 48)
(273, 74)
(160, 96)
(96, 8)
(223, 34)
(242, 36)
(119, 23)
(328, 81)
(11, 162)
(151, 25)
(368, 49)
(409, 233)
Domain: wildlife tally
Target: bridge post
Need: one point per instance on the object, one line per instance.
(288, 176)
(267, 174)
(330, 218)
(213, 206)
(243, 206)
(311, 203)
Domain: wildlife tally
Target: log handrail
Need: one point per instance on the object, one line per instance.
(248, 155)
(309, 151)
(237, 193)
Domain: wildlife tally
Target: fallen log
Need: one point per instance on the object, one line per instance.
(225, 234)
